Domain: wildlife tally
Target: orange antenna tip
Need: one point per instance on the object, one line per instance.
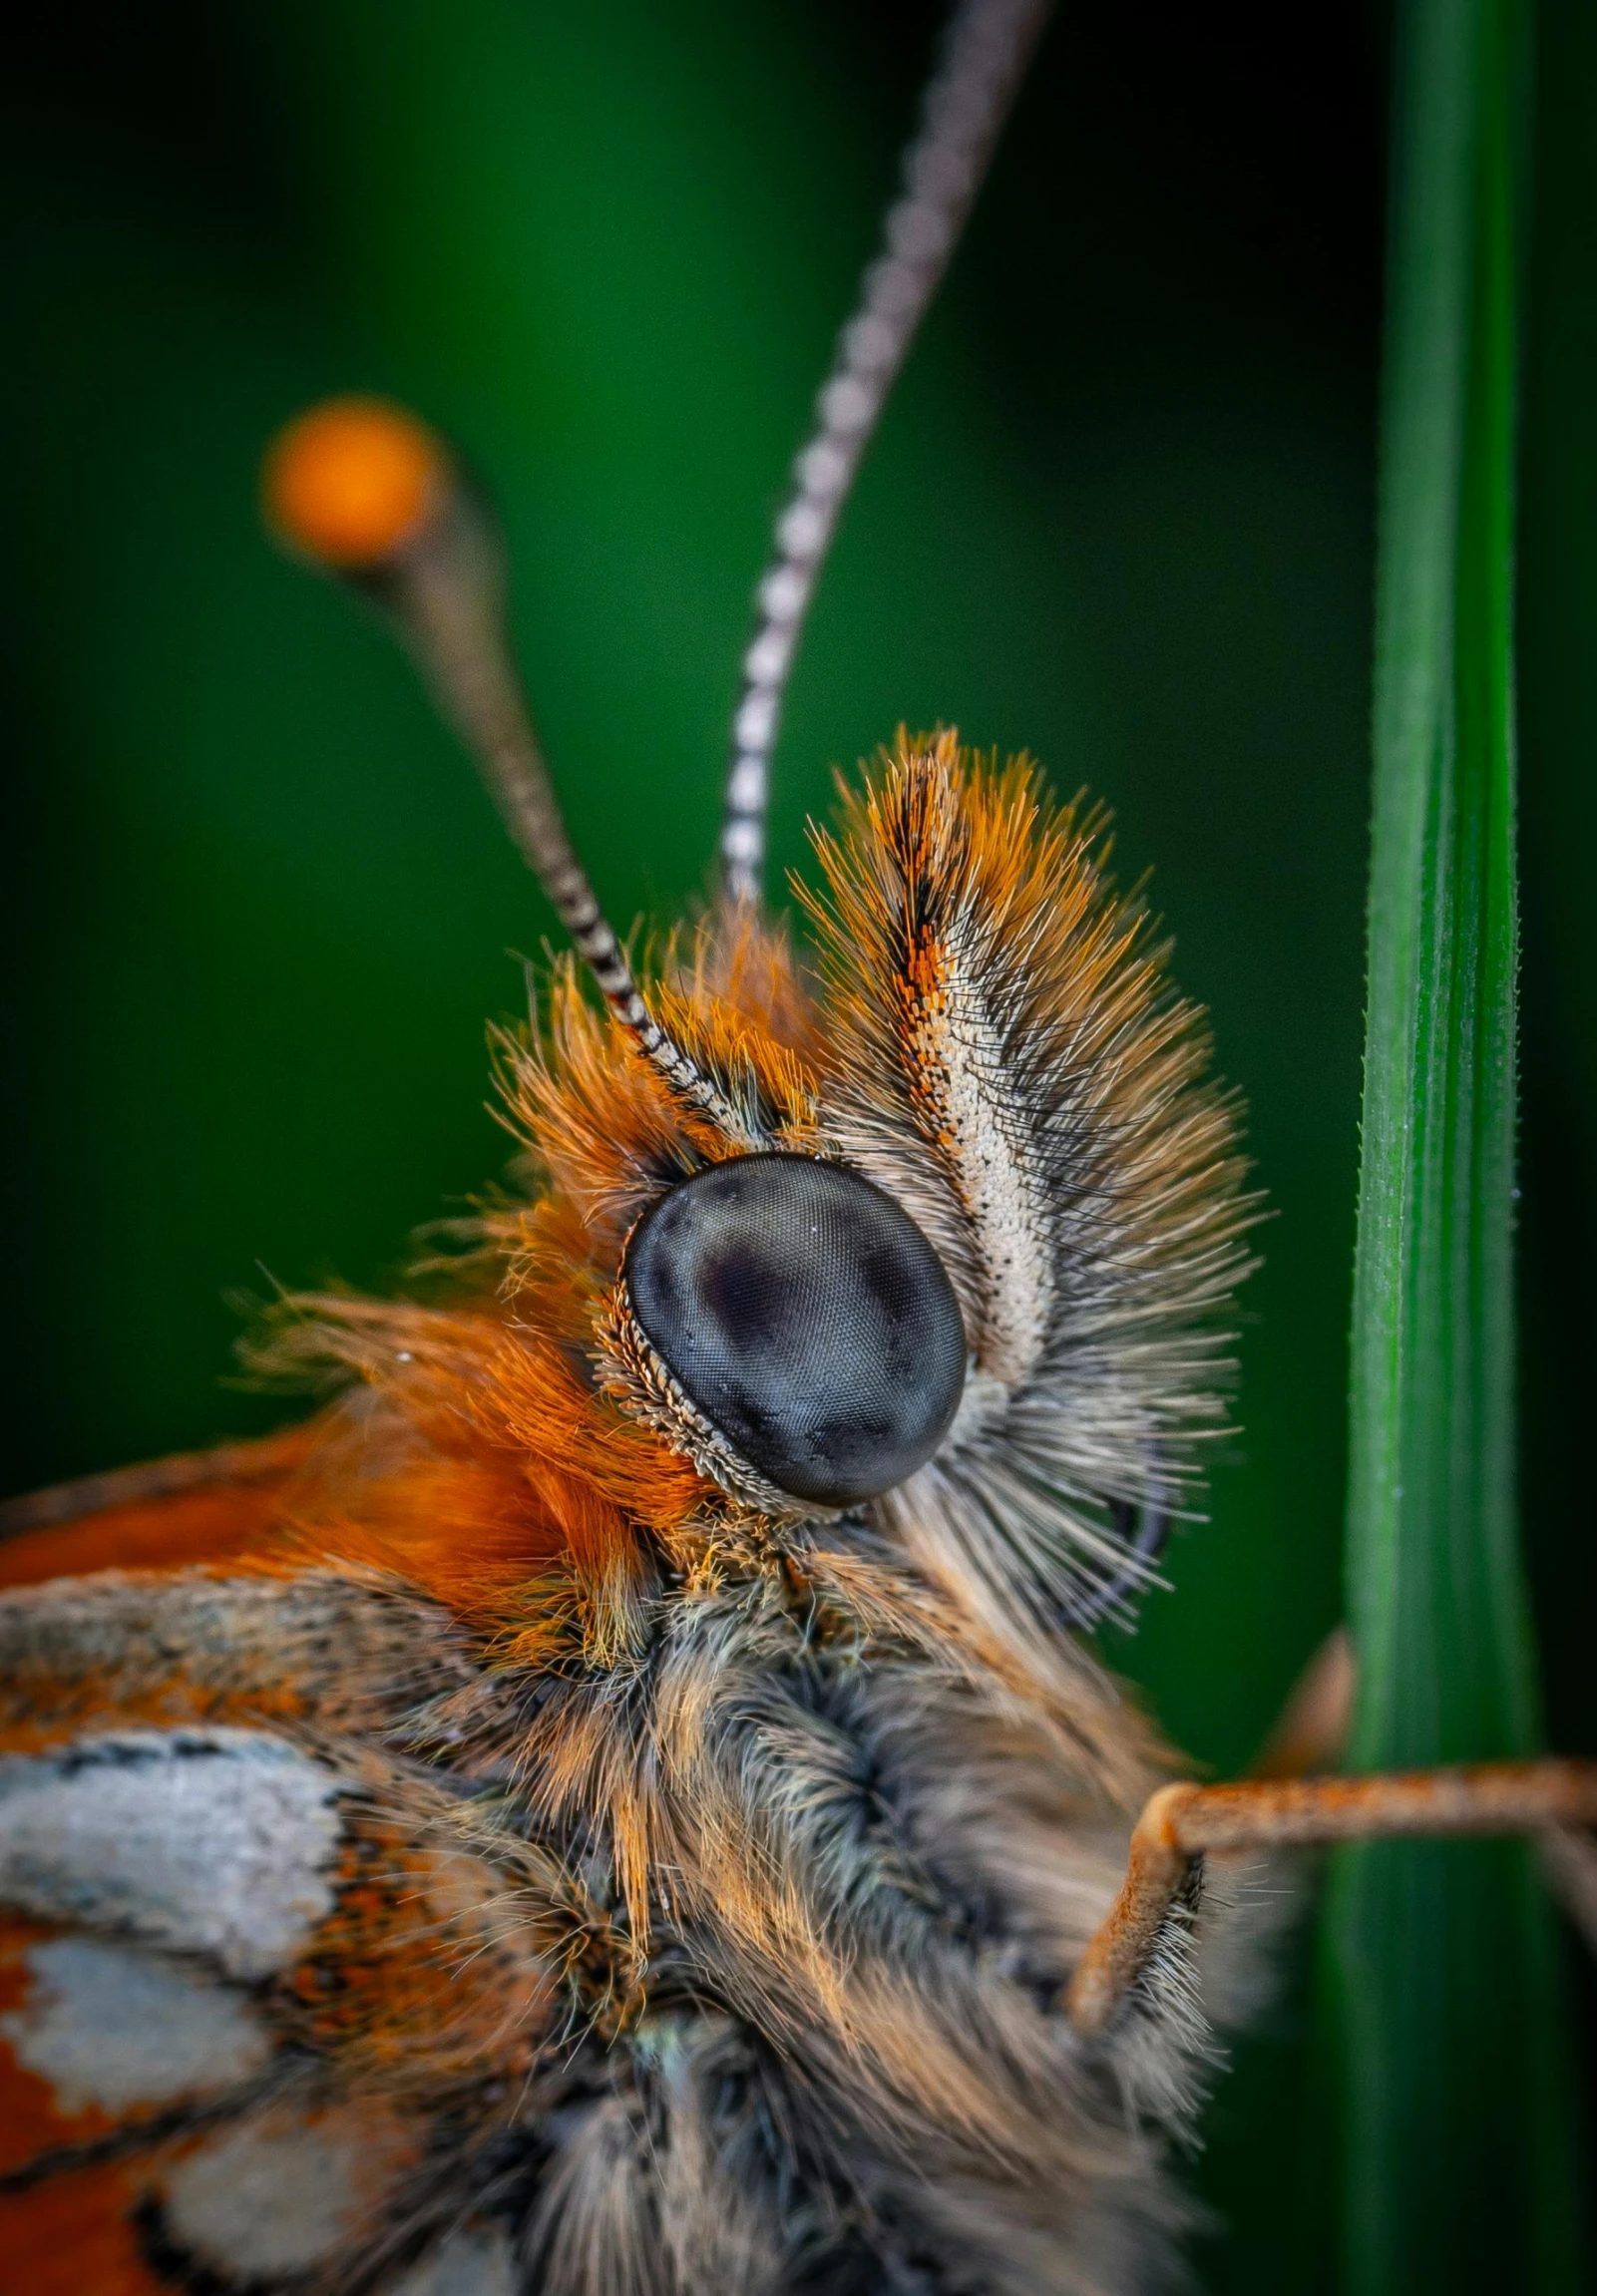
(353, 479)
(372, 493)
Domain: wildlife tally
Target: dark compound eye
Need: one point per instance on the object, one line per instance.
(807, 1317)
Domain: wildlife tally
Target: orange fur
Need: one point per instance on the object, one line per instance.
(985, 839)
(491, 1473)
(409, 1983)
(602, 1709)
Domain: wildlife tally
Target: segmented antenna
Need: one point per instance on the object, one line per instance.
(963, 113)
(368, 490)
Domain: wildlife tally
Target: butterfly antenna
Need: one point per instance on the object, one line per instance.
(967, 101)
(367, 491)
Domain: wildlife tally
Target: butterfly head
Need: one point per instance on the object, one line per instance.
(921, 1242)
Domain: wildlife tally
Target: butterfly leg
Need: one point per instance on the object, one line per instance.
(1310, 1735)
(1183, 1823)
(1310, 1732)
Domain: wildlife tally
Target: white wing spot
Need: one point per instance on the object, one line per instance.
(203, 1841)
(113, 2026)
(280, 2194)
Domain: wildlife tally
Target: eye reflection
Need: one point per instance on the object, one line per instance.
(806, 1315)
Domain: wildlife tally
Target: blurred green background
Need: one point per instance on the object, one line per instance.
(258, 910)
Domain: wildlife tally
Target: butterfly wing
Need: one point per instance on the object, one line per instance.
(275, 2003)
(199, 1507)
(262, 2027)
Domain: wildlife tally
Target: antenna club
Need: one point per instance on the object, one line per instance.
(353, 479)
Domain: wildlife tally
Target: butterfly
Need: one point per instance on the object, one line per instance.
(618, 1800)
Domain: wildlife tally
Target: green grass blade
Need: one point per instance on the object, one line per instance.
(1440, 1955)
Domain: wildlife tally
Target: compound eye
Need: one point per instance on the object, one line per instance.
(808, 1318)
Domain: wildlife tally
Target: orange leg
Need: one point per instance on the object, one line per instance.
(1311, 1735)
(1311, 1729)
(1569, 1862)
(1183, 1822)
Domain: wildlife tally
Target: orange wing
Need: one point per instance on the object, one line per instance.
(263, 2019)
(197, 1507)
(285, 2037)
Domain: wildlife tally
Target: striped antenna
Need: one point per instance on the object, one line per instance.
(984, 59)
(369, 492)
